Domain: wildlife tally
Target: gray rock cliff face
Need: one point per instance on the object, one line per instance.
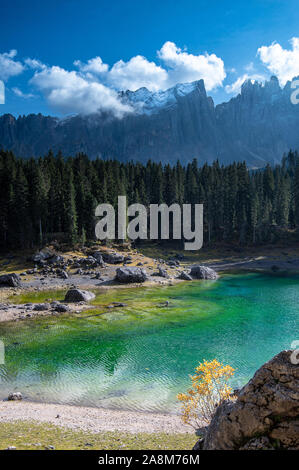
(258, 126)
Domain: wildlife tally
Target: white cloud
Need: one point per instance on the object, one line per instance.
(69, 92)
(9, 67)
(34, 64)
(284, 63)
(136, 73)
(94, 66)
(185, 67)
(20, 94)
(177, 67)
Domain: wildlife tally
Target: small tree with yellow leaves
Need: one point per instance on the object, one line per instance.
(209, 388)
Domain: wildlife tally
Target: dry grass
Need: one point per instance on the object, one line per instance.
(25, 435)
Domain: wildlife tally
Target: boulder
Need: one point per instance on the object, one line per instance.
(41, 307)
(90, 261)
(41, 256)
(98, 256)
(173, 263)
(56, 259)
(185, 276)
(113, 258)
(127, 275)
(60, 308)
(162, 272)
(203, 272)
(78, 295)
(10, 280)
(265, 414)
(15, 396)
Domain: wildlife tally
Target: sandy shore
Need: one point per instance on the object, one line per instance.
(92, 419)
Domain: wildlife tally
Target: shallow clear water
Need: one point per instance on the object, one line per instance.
(138, 357)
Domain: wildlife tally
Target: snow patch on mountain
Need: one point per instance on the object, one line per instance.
(147, 102)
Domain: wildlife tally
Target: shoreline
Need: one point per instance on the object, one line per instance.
(277, 264)
(92, 419)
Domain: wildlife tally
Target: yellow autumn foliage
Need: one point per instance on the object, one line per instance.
(209, 388)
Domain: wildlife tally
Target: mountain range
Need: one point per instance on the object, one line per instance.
(259, 125)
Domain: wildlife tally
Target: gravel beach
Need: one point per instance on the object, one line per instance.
(92, 419)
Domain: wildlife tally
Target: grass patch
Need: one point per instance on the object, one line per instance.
(25, 435)
(38, 296)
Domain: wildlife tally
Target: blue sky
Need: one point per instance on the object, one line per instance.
(69, 56)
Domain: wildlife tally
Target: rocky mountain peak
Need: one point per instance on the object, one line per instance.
(257, 126)
(143, 101)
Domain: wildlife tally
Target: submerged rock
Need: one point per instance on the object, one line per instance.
(78, 295)
(117, 304)
(203, 272)
(10, 280)
(132, 274)
(264, 416)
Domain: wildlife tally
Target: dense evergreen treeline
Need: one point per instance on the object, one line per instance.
(42, 198)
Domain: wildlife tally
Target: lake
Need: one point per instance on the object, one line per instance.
(138, 357)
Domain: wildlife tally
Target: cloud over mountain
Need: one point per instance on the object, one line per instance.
(70, 92)
(93, 85)
(284, 63)
(184, 67)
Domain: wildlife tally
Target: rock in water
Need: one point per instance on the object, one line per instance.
(265, 414)
(128, 275)
(10, 280)
(77, 295)
(203, 272)
(15, 396)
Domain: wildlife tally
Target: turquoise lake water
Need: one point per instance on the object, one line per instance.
(138, 357)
